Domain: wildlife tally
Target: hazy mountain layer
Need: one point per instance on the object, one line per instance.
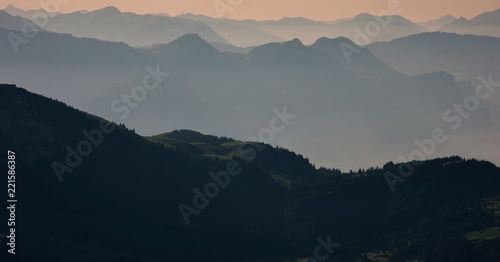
(136, 30)
(436, 24)
(466, 57)
(487, 24)
(364, 110)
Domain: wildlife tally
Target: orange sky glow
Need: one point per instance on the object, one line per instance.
(415, 10)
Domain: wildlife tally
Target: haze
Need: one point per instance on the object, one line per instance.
(417, 11)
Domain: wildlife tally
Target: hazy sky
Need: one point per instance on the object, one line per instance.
(416, 10)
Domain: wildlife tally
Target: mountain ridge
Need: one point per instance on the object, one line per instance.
(111, 24)
(297, 202)
(485, 24)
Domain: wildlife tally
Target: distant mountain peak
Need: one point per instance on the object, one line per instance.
(448, 17)
(191, 42)
(111, 10)
(487, 18)
(363, 15)
(191, 39)
(295, 42)
(10, 6)
(484, 24)
(338, 40)
(12, 10)
(291, 18)
(193, 16)
(295, 19)
(497, 11)
(436, 24)
(366, 17)
(13, 21)
(293, 51)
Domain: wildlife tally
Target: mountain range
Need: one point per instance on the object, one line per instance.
(152, 29)
(308, 31)
(455, 54)
(16, 23)
(12, 10)
(189, 138)
(435, 25)
(355, 107)
(136, 30)
(484, 24)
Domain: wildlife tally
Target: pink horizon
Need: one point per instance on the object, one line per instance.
(320, 10)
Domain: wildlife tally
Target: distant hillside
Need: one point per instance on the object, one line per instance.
(12, 10)
(308, 31)
(389, 28)
(486, 24)
(136, 30)
(16, 23)
(435, 25)
(233, 49)
(363, 64)
(238, 34)
(432, 52)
